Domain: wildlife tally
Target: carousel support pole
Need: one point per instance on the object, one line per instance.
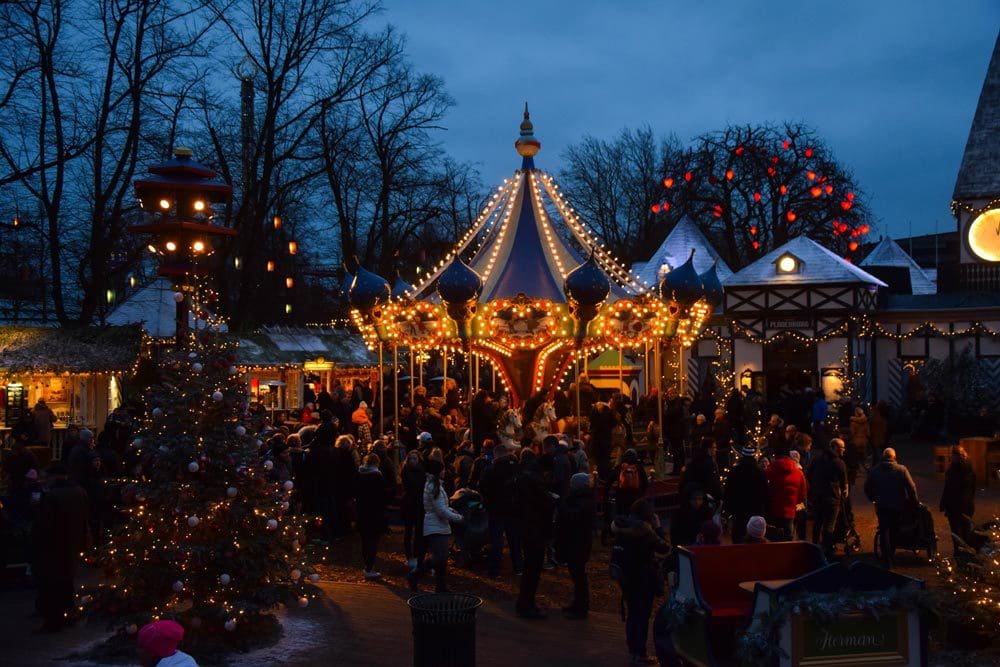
(645, 365)
(681, 380)
(658, 366)
(381, 393)
(395, 387)
(412, 388)
(444, 367)
(468, 366)
(621, 370)
(475, 360)
(576, 369)
(420, 365)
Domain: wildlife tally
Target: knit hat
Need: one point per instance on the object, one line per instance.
(756, 527)
(711, 532)
(424, 437)
(160, 638)
(580, 480)
(749, 450)
(86, 434)
(362, 405)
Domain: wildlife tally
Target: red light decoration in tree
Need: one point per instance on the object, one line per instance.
(811, 175)
(853, 245)
(756, 196)
(656, 208)
(668, 182)
(730, 174)
(846, 205)
(786, 144)
(783, 189)
(791, 216)
(687, 176)
(809, 152)
(739, 150)
(816, 191)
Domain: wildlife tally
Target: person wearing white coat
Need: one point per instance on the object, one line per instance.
(437, 528)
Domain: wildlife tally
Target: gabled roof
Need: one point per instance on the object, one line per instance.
(818, 266)
(888, 253)
(979, 174)
(153, 307)
(278, 346)
(78, 350)
(675, 250)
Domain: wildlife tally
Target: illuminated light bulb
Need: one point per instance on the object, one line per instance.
(270, 266)
(164, 204)
(151, 248)
(199, 205)
(171, 246)
(293, 247)
(289, 282)
(198, 246)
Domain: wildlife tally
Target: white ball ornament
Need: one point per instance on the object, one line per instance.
(231, 492)
(285, 505)
(230, 625)
(288, 486)
(178, 586)
(233, 370)
(224, 579)
(192, 355)
(178, 297)
(193, 521)
(137, 442)
(196, 367)
(296, 574)
(217, 396)
(241, 431)
(132, 629)
(303, 602)
(157, 412)
(193, 466)
(259, 443)
(314, 577)
(272, 524)
(268, 464)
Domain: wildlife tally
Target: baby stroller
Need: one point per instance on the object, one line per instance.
(472, 536)
(844, 532)
(915, 533)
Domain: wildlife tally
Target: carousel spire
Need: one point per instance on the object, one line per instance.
(527, 145)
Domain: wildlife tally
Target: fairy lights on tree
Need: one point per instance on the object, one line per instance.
(208, 537)
(752, 188)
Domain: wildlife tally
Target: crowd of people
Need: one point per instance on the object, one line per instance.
(526, 485)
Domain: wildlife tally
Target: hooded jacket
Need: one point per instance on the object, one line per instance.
(437, 514)
(639, 541)
(786, 487)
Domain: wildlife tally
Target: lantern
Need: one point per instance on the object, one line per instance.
(289, 282)
(277, 222)
(293, 247)
(270, 266)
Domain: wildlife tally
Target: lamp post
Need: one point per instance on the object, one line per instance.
(178, 197)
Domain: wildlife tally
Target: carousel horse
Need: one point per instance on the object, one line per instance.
(544, 422)
(509, 427)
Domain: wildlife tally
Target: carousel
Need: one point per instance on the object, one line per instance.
(529, 293)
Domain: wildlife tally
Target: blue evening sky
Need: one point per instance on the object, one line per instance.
(891, 84)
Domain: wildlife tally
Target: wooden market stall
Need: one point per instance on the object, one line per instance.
(78, 372)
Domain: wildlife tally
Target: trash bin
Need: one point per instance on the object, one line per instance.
(444, 629)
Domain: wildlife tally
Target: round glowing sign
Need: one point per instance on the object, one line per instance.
(787, 264)
(984, 236)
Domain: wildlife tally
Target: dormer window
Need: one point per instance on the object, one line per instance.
(788, 263)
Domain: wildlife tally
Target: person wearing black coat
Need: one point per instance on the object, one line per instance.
(536, 507)
(958, 499)
(60, 534)
(602, 423)
(687, 519)
(826, 480)
(320, 466)
(641, 539)
(411, 508)
(703, 471)
(369, 504)
(745, 494)
(344, 473)
(497, 487)
(574, 532)
(624, 497)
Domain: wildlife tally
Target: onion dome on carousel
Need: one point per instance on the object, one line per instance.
(529, 288)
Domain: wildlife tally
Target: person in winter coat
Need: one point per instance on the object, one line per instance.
(281, 461)
(481, 464)
(860, 434)
(578, 456)
(411, 508)
(535, 518)
(701, 430)
(746, 492)
(689, 516)
(703, 470)
(369, 503)
(676, 428)
(43, 418)
(828, 490)
(631, 482)
(556, 463)
(775, 436)
(345, 469)
(321, 474)
(158, 645)
(786, 490)
(574, 530)
(641, 540)
(891, 488)
(463, 464)
(958, 499)
(362, 422)
(437, 529)
(500, 498)
(60, 534)
(602, 425)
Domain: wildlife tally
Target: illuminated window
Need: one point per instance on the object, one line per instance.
(788, 263)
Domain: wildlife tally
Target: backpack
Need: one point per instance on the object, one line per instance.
(628, 477)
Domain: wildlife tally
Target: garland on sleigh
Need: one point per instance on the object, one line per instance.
(763, 647)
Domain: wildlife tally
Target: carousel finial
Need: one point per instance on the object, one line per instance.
(527, 145)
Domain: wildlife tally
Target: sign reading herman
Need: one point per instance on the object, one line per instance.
(855, 639)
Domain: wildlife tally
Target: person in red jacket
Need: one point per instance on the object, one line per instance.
(786, 489)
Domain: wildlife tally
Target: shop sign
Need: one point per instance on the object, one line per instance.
(855, 639)
(789, 323)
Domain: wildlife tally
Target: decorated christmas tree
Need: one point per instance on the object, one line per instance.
(207, 538)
